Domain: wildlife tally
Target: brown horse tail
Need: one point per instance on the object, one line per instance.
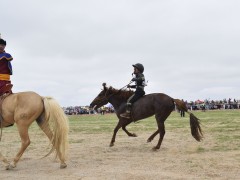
(194, 121)
(59, 126)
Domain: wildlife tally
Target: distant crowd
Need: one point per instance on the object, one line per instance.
(192, 105)
(75, 110)
(211, 104)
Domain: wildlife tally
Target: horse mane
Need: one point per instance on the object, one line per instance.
(123, 94)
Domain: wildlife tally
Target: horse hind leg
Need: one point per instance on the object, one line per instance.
(152, 136)
(161, 128)
(47, 130)
(23, 132)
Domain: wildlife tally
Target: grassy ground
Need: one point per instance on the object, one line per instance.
(222, 126)
(90, 157)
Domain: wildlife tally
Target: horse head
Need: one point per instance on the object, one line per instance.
(102, 98)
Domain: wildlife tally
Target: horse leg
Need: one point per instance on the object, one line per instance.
(161, 128)
(152, 136)
(46, 129)
(119, 125)
(128, 133)
(23, 132)
(4, 160)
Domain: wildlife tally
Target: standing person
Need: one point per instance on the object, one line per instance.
(5, 66)
(139, 80)
(182, 112)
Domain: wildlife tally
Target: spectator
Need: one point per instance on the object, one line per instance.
(182, 113)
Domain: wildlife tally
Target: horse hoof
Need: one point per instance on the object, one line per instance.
(149, 140)
(155, 148)
(63, 165)
(134, 135)
(10, 167)
(111, 145)
(7, 167)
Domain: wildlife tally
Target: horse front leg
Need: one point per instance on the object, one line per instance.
(4, 160)
(126, 131)
(119, 125)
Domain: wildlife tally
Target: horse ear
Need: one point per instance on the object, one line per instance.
(104, 86)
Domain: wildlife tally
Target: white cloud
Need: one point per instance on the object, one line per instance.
(67, 49)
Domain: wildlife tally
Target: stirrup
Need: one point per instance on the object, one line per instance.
(125, 115)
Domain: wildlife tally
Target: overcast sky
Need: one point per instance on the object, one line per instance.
(67, 48)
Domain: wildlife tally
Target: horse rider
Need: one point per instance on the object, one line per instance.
(139, 80)
(5, 65)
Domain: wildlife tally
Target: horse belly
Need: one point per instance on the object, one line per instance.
(142, 111)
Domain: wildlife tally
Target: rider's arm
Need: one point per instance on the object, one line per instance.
(139, 78)
(132, 86)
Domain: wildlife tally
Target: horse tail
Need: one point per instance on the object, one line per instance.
(194, 121)
(59, 126)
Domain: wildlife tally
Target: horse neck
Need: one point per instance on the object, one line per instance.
(116, 101)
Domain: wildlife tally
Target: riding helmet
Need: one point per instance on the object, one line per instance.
(139, 67)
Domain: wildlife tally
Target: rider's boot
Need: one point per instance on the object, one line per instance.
(127, 114)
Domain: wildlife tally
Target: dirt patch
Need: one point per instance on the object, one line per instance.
(90, 158)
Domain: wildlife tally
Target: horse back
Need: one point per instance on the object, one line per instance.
(151, 104)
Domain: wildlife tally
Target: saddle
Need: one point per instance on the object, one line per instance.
(4, 92)
(7, 89)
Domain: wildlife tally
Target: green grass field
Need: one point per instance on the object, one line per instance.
(180, 156)
(222, 126)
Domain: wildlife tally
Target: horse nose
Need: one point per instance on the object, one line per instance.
(91, 105)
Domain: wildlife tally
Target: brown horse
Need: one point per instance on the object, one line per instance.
(158, 104)
(26, 107)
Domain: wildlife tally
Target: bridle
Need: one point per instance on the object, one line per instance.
(105, 98)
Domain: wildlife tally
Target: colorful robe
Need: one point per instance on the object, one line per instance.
(5, 66)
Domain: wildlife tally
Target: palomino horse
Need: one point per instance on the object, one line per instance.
(26, 107)
(158, 104)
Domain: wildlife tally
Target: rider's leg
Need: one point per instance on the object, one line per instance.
(130, 101)
(137, 95)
